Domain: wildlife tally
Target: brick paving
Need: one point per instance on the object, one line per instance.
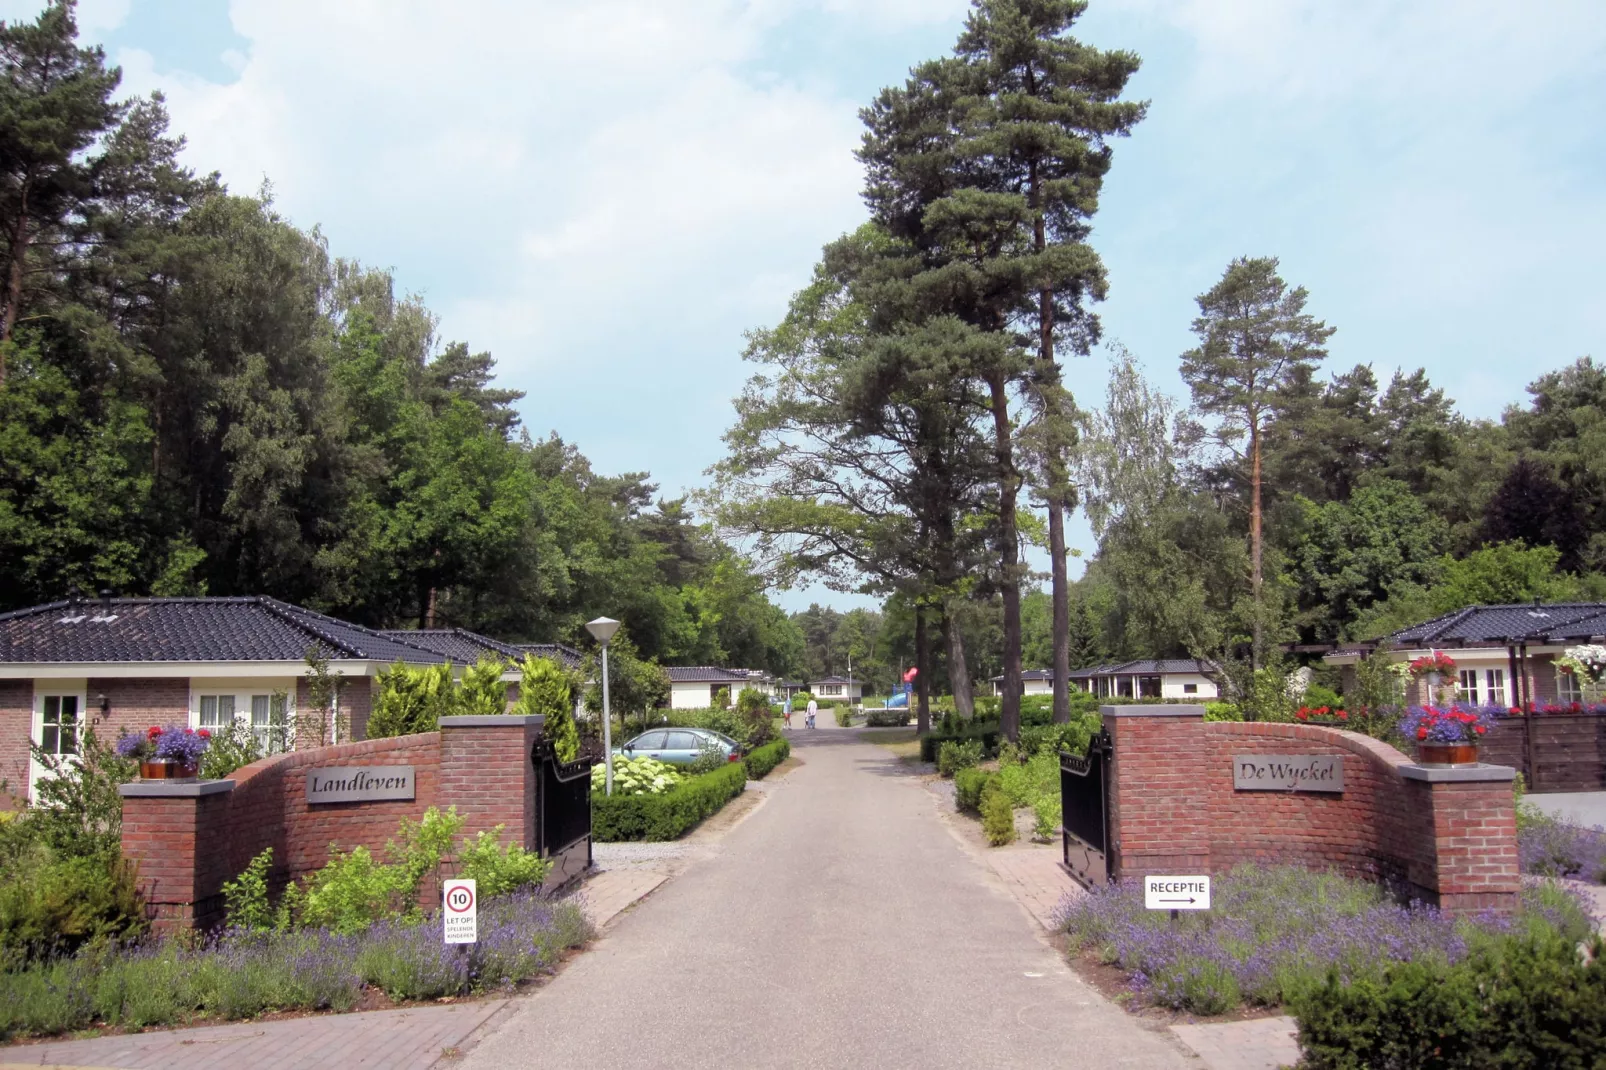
(416, 1038)
(611, 892)
(1256, 1044)
(1033, 875)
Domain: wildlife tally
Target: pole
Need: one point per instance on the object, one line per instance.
(607, 728)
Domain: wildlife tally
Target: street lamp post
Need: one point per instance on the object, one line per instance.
(602, 630)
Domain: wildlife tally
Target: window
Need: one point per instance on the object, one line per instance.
(1190, 689)
(1567, 688)
(217, 711)
(1148, 687)
(650, 741)
(1467, 689)
(269, 722)
(681, 741)
(1496, 679)
(58, 734)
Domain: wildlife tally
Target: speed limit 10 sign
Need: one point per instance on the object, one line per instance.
(461, 913)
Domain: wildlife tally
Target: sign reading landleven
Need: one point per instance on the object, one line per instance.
(364, 783)
(1288, 772)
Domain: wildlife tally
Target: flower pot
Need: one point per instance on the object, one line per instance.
(158, 769)
(1447, 753)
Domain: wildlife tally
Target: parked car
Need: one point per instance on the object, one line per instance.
(681, 746)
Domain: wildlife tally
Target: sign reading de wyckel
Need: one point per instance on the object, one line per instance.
(361, 783)
(1288, 772)
(1176, 893)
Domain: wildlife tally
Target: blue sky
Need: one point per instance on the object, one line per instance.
(606, 195)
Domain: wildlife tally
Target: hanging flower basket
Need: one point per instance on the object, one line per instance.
(1435, 666)
(1448, 736)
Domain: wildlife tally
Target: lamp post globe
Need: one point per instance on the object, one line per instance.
(602, 630)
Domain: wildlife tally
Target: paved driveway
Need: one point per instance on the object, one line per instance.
(841, 925)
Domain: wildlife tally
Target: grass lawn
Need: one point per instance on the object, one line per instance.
(900, 741)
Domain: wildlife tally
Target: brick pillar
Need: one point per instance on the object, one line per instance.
(487, 774)
(1159, 817)
(174, 834)
(1466, 834)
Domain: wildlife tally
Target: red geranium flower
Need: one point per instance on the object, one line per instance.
(1478, 728)
(154, 732)
(1421, 733)
(1342, 716)
(204, 734)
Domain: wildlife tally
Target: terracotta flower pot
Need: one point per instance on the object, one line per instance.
(158, 769)
(1447, 753)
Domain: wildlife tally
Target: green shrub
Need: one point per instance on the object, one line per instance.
(760, 761)
(710, 756)
(1223, 711)
(245, 898)
(844, 717)
(722, 699)
(986, 732)
(669, 815)
(1054, 738)
(1317, 695)
(230, 748)
(1047, 810)
(987, 705)
(952, 757)
(636, 776)
(758, 722)
(483, 692)
(547, 689)
(887, 718)
(969, 784)
(412, 699)
(498, 869)
(1529, 1002)
(997, 815)
(354, 889)
(51, 903)
(800, 701)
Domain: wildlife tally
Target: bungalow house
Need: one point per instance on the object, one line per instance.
(1032, 681)
(840, 688)
(464, 647)
(128, 663)
(1505, 655)
(787, 689)
(1177, 679)
(567, 656)
(693, 687)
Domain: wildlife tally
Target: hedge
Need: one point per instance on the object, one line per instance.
(986, 731)
(763, 759)
(666, 816)
(1534, 1003)
(886, 718)
(969, 784)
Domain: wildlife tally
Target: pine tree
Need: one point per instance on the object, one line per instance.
(1255, 338)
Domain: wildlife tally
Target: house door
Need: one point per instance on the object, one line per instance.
(57, 721)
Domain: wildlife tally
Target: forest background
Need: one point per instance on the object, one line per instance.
(198, 397)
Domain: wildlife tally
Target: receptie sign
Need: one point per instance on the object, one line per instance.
(462, 912)
(1176, 893)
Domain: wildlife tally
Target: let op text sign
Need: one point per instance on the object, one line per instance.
(1176, 893)
(462, 912)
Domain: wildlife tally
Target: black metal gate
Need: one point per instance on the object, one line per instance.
(1084, 809)
(562, 803)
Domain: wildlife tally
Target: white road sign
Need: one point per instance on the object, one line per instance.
(1176, 893)
(461, 913)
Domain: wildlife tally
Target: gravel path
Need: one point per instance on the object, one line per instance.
(840, 924)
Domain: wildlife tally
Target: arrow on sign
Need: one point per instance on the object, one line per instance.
(1190, 899)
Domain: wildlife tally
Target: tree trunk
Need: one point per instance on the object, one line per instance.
(1055, 498)
(958, 671)
(1254, 541)
(922, 674)
(19, 255)
(1062, 615)
(1009, 557)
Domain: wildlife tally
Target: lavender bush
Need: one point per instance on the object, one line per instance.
(241, 974)
(1560, 847)
(1273, 933)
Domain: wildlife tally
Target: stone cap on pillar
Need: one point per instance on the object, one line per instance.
(1458, 774)
(173, 789)
(1161, 709)
(493, 720)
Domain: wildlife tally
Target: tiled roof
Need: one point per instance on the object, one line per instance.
(567, 656)
(1032, 674)
(702, 674)
(191, 629)
(837, 680)
(1475, 625)
(461, 645)
(1142, 667)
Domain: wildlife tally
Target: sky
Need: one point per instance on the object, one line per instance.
(607, 194)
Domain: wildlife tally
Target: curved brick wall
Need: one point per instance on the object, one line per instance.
(1174, 809)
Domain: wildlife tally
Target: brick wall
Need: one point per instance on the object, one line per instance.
(186, 845)
(16, 729)
(1173, 809)
(356, 703)
(136, 705)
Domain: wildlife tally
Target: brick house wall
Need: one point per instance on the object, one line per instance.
(136, 705)
(16, 729)
(1174, 809)
(356, 703)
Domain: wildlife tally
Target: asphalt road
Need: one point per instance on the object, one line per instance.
(840, 925)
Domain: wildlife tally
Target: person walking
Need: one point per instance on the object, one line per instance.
(786, 715)
(814, 708)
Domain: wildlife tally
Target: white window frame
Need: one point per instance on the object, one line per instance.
(73, 689)
(1466, 686)
(1569, 688)
(1495, 681)
(242, 692)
